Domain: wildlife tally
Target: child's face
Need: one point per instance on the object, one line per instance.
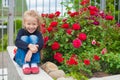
(30, 24)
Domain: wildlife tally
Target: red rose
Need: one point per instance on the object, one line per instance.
(69, 31)
(93, 8)
(55, 46)
(93, 12)
(46, 38)
(57, 13)
(58, 57)
(76, 13)
(72, 61)
(53, 24)
(96, 57)
(51, 15)
(84, 2)
(87, 62)
(72, 14)
(76, 26)
(43, 15)
(43, 30)
(74, 56)
(50, 29)
(64, 20)
(109, 17)
(43, 24)
(82, 36)
(65, 25)
(77, 43)
(69, 12)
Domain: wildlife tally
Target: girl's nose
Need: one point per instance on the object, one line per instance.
(31, 26)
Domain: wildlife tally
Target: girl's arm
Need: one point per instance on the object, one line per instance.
(19, 43)
(40, 42)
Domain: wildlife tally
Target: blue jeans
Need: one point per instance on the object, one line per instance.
(21, 53)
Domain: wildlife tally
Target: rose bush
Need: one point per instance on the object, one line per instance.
(84, 41)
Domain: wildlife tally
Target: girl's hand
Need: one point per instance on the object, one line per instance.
(28, 56)
(33, 48)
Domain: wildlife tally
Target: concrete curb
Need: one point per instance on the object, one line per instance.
(114, 77)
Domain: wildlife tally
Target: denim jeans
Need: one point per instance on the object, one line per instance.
(21, 53)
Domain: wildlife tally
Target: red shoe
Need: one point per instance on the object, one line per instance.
(27, 70)
(35, 70)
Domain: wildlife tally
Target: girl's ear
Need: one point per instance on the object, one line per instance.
(23, 24)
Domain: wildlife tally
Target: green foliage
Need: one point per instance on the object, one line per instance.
(87, 58)
(18, 7)
(77, 75)
(3, 42)
(17, 26)
(111, 63)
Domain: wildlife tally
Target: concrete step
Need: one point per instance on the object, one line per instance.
(3, 74)
(41, 76)
(113, 77)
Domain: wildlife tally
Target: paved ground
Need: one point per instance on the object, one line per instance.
(114, 77)
(7, 64)
(11, 72)
(41, 76)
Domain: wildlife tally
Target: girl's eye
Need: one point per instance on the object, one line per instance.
(28, 24)
(34, 24)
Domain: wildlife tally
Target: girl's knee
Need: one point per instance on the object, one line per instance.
(33, 36)
(33, 39)
(25, 38)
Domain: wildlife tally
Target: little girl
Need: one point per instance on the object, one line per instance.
(29, 42)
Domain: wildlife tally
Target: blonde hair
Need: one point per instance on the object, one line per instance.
(32, 13)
